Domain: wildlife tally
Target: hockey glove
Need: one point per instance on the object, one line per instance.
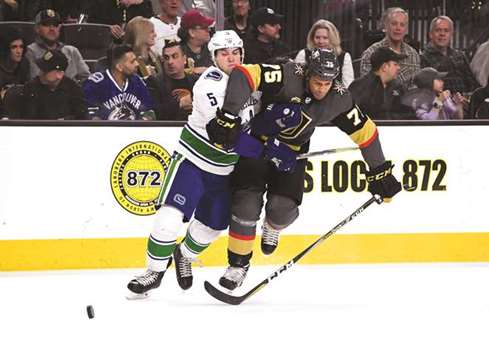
(275, 118)
(284, 158)
(248, 146)
(223, 130)
(382, 182)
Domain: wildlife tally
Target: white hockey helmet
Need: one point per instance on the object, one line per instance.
(225, 39)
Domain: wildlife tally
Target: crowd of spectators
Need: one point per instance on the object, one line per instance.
(148, 70)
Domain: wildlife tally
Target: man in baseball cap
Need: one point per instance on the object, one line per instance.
(194, 19)
(194, 33)
(48, 29)
(264, 45)
(47, 17)
(52, 95)
(52, 60)
(378, 93)
(266, 15)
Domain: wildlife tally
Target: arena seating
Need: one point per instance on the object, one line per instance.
(91, 39)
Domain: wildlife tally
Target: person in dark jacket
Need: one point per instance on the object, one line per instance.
(172, 90)
(14, 67)
(440, 55)
(378, 93)
(263, 45)
(239, 21)
(52, 95)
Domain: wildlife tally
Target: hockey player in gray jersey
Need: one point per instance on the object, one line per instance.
(323, 100)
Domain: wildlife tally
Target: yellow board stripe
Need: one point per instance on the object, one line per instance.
(365, 133)
(23, 255)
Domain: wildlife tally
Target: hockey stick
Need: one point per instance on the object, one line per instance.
(235, 300)
(326, 151)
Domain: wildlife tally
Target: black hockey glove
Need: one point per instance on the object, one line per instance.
(382, 182)
(223, 130)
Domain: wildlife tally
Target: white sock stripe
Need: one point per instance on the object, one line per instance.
(159, 258)
(162, 242)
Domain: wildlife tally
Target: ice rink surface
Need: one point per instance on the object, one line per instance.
(422, 309)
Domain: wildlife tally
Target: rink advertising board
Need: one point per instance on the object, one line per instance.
(83, 197)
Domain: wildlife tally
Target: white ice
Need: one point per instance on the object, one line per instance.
(333, 309)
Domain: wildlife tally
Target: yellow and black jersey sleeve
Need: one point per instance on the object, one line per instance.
(363, 131)
(248, 78)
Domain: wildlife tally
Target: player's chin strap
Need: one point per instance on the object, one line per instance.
(235, 300)
(326, 151)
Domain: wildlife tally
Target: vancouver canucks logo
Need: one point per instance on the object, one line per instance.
(136, 176)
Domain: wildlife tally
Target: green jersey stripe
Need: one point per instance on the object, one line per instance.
(201, 148)
(170, 176)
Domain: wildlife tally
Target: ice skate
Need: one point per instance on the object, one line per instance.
(269, 238)
(183, 268)
(141, 286)
(233, 277)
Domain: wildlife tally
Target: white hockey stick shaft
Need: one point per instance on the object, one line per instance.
(326, 151)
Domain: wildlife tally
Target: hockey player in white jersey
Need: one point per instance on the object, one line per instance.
(197, 179)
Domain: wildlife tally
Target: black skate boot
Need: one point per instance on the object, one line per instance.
(141, 285)
(234, 277)
(183, 267)
(269, 238)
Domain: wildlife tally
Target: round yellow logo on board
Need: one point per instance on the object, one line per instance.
(137, 175)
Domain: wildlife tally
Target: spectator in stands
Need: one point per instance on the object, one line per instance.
(167, 23)
(194, 33)
(264, 44)
(140, 35)
(172, 90)
(395, 22)
(52, 95)
(14, 67)
(118, 93)
(117, 13)
(479, 102)
(20, 10)
(480, 63)
(239, 20)
(378, 93)
(324, 34)
(48, 24)
(439, 55)
(430, 100)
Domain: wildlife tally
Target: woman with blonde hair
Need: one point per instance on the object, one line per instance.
(324, 34)
(140, 35)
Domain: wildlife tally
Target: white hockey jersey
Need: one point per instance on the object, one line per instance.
(194, 144)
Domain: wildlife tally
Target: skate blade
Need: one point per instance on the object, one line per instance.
(132, 296)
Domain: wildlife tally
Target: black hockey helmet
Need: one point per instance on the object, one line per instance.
(323, 63)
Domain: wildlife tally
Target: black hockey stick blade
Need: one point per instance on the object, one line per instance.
(222, 296)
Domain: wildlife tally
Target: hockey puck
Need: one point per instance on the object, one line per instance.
(90, 312)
